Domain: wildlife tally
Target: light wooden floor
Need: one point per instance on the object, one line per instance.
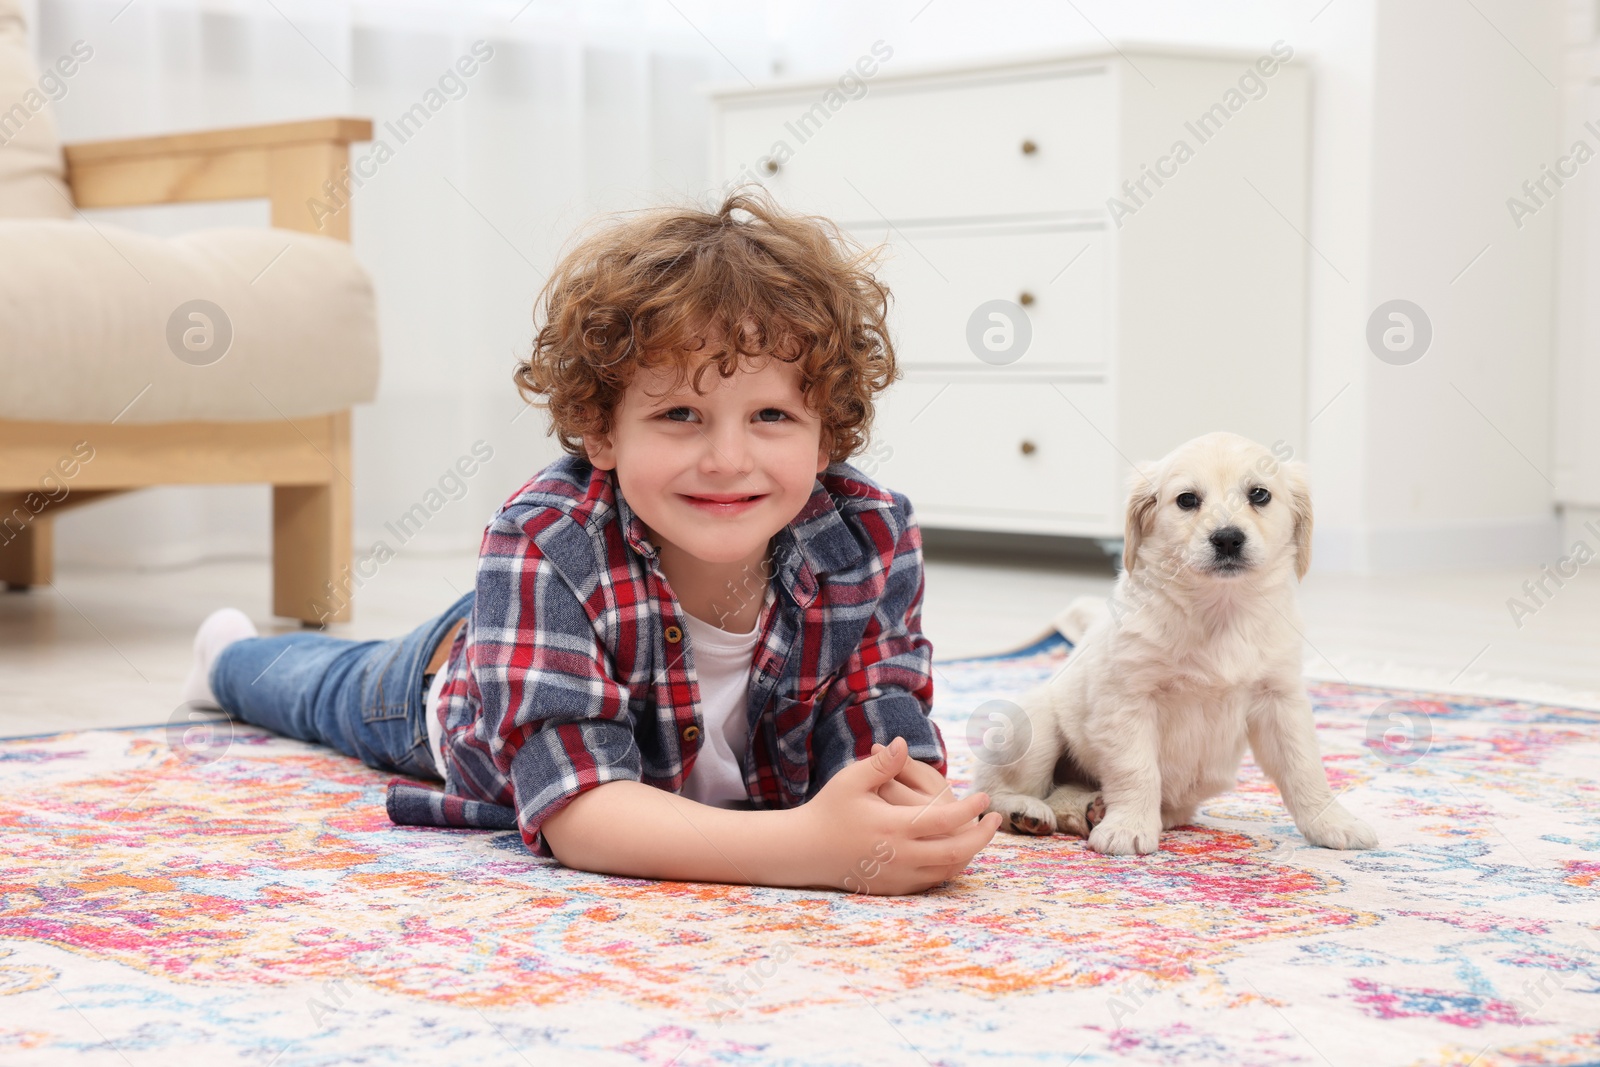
(110, 647)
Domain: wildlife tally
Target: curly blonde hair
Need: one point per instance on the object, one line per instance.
(641, 291)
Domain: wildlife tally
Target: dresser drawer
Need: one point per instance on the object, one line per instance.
(937, 149)
(943, 281)
(1001, 455)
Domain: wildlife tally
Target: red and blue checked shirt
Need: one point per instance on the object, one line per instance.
(574, 668)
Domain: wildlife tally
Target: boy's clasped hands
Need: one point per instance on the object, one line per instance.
(892, 825)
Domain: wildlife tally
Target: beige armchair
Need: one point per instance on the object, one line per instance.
(224, 356)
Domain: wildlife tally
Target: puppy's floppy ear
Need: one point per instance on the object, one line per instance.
(1142, 497)
(1294, 473)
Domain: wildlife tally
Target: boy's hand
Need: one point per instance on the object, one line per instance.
(917, 785)
(863, 843)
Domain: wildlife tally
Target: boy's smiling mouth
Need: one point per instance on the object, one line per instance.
(724, 503)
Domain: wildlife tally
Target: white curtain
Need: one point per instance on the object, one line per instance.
(577, 109)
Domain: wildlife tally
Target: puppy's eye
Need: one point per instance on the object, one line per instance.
(1188, 501)
(1259, 496)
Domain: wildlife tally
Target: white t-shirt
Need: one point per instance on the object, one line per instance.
(435, 727)
(722, 662)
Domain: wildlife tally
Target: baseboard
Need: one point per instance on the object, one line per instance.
(426, 542)
(1580, 523)
(161, 555)
(990, 546)
(167, 556)
(1466, 544)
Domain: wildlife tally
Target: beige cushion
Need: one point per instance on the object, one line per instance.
(31, 172)
(90, 316)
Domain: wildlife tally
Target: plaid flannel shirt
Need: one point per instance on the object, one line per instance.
(574, 668)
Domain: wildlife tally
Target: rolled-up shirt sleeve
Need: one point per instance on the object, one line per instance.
(885, 689)
(554, 719)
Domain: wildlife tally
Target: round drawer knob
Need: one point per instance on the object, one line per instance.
(771, 166)
(1029, 147)
(1029, 448)
(1025, 298)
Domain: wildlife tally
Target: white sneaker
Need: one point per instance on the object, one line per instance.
(219, 630)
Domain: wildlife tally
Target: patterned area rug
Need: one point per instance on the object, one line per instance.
(258, 907)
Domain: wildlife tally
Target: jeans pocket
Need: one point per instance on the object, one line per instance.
(383, 687)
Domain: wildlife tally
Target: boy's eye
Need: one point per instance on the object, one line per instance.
(671, 415)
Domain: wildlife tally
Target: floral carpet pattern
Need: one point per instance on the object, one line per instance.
(253, 904)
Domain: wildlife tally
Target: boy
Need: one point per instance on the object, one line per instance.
(694, 650)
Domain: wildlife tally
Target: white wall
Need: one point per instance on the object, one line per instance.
(1577, 461)
(1458, 465)
(1427, 114)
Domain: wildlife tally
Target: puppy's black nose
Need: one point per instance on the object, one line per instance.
(1227, 542)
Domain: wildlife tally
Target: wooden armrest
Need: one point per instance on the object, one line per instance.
(207, 142)
(286, 162)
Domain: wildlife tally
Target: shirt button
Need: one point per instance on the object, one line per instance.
(673, 634)
(691, 732)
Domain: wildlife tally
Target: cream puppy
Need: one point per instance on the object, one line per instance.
(1196, 654)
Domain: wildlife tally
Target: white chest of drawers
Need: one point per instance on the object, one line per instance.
(1154, 310)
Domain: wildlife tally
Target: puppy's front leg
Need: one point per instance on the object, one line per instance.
(1017, 788)
(1284, 741)
(1129, 762)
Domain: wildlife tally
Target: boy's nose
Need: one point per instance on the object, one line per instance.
(727, 451)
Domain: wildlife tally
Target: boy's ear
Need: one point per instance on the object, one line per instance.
(601, 454)
(824, 447)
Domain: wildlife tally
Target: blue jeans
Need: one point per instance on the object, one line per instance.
(364, 698)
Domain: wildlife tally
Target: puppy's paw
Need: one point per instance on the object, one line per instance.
(1076, 809)
(1097, 811)
(1024, 815)
(1124, 837)
(1337, 828)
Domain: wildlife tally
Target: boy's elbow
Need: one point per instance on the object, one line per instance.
(562, 847)
(572, 832)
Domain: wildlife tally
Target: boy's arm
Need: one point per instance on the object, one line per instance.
(555, 721)
(885, 689)
(847, 837)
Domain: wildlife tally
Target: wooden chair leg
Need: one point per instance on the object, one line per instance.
(27, 549)
(311, 553)
(312, 535)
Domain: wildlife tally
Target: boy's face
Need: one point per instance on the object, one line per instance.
(715, 475)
